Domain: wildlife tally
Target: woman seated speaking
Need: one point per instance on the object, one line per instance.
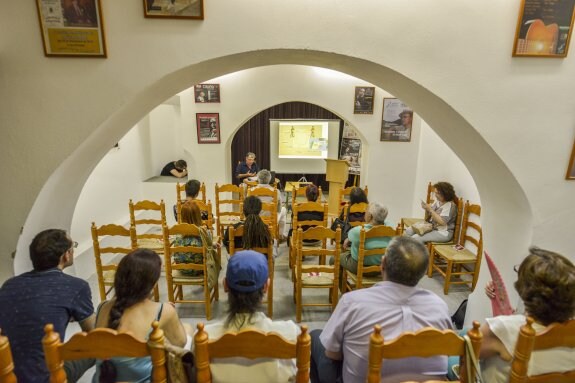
(132, 310)
(546, 285)
(375, 214)
(442, 215)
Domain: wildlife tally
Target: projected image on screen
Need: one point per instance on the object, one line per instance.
(303, 139)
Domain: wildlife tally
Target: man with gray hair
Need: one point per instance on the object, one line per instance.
(375, 215)
(340, 350)
(248, 168)
(264, 180)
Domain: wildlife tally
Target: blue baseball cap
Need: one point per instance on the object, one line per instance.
(247, 271)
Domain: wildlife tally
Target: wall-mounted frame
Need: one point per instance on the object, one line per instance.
(174, 9)
(544, 28)
(207, 93)
(571, 168)
(208, 128)
(363, 100)
(72, 28)
(396, 121)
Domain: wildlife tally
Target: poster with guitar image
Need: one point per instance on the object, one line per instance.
(544, 28)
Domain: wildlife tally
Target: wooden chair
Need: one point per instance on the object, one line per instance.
(450, 262)
(354, 209)
(204, 207)
(422, 343)
(6, 361)
(174, 277)
(268, 252)
(407, 222)
(311, 207)
(299, 196)
(251, 344)
(181, 188)
(344, 195)
(228, 210)
(367, 276)
(113, 234)
(269, 214)
(103, 343)
(555, 335)
(153, 241)
(317, 275)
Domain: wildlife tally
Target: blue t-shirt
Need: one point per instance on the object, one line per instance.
(243, 168)
(30, 301)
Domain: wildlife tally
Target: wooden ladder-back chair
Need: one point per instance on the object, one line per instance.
(317, 275)
(228, 210)
(422, 343)
(6, 361)
(269, 199)
(114, 234)
(176, 280)
(355, 209)
(344, 195)
(450, 262)
(367, 276)
(152, 241)
(103, 343)
(251, 344)
(407, 222)
(204, 207)
(268, 252)
(299, 196)
(555, 335)
(305, 207)
(181, 188)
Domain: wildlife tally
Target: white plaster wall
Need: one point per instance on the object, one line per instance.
(60, 116)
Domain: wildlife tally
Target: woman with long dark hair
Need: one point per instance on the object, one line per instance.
(132, 310)
(256, 232)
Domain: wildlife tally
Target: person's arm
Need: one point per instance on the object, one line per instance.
(241, 175)
(172, 327)
(434, 216)
(178, 174)
(491, 346)
(334, 355)
(83, 309)
(88, 323)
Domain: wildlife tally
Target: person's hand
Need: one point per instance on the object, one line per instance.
(425, 206)
(490, 290)
(345, 244)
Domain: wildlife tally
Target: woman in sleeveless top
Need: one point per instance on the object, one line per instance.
(132, 310)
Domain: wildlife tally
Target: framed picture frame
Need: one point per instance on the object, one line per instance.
(174, 9)
(72, 28)
(363, 100)
(208, 125)
(571, 168)
(207, 93)
(544, 28)
(350, 151)
(396, 121)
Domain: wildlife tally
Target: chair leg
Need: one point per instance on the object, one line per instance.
(298, 302)
(171, 297)
(475, 277)
(447, 277)
(430, 266)
(156, 293)
(208, 302)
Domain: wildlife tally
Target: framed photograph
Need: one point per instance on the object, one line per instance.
(396, 121)
(208, 128)
(363, 100)
(351, 152)
(72, 28)
(174, 9)
(571, 168)
(544, 28)
(207, 93)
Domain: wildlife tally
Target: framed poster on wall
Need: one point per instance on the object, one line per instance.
(174, 9)
(208, 125)
(363, 100)
(72, 28)
(396, 121)
(207, 93)
(544, 28)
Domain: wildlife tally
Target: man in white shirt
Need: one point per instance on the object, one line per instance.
(341, 350)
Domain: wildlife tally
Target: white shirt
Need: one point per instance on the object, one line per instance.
(240, 370)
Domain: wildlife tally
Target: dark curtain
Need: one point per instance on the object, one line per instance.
(254, 135)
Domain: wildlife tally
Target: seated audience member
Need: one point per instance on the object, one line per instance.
(264, 179)
(248, 168)
(442, 214)
(45, 295)
(192, 192)
(191, 214)
(132, 310)
(246, 283)
(546, 285)
(256, 232)
(340, 350)
(357, 195)
(374, 215)
(177, 169)
(312, 194)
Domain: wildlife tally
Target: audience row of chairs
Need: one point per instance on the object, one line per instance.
(104, 343)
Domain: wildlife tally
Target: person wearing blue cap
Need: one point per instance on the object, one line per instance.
(246, 282)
